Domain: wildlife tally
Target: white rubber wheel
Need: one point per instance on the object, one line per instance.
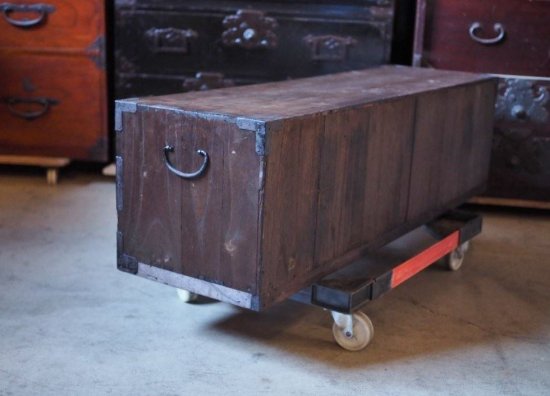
(187, 296)
(363, 332)
(454, 260)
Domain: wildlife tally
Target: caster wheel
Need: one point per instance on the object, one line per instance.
(361, 334)
(454, 260)
(187, 296)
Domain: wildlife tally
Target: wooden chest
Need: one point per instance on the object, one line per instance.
(511, 39)
(171, 46)
(295, 179)
(53, 86)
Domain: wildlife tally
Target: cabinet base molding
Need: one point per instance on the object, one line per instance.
(518, 203)
(52, 164)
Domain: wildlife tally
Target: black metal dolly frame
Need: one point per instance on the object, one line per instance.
(347, 290)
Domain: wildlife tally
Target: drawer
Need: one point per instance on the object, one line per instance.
(249, 44)
(44, 112)
(130, 85)
(520, 162)
(507, 37)
(175, 4)
(50, 23)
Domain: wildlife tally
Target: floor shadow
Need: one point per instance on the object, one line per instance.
(435, 313)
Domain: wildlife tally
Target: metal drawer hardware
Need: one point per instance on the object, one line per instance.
(521, 105)
(497, 27)
(170, 39)
(249, 29)
(207, 80)
(42, 9)
(170, 149)
(45, 104)
(328, 47)
(523, 100)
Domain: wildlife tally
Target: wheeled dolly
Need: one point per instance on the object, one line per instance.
(346, 291)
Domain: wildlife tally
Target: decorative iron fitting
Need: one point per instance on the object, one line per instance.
(204, 81)
(522, 100)
(329, 47)
(96, 52)
(170, 40)
(128, 264)
(249, 29)
(119, 183)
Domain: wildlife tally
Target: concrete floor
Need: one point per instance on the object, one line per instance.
(71, 324)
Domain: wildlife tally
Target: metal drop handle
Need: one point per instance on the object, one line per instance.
(497, 27)
(41, 9)
(192, 175)
(44, 104)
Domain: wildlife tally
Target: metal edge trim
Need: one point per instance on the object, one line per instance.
(259, 127)
(119, 163)
(120, 107)
(204, 288)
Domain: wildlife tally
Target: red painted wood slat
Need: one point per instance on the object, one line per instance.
(424, 259)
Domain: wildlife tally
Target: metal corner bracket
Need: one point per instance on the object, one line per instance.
(123, 106)
(260, 128)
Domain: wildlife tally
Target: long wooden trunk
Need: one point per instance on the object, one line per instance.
(302, 176)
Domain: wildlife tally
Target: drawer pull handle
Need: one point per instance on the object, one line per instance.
(329, 47)
(170, 40)
(497, 27)
(44, 103)
(170, 149)
(206, 80)
(41, 9)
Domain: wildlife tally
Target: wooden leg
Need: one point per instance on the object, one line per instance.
(110, 170)
(519, 203)
(52, 165)
(51, 176)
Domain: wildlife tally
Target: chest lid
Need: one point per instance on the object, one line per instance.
(308, 96)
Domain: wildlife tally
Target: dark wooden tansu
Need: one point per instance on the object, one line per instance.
(282, 183)
(171, 46)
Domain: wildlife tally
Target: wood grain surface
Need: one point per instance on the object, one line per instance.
(287, 99)
(290, 206)
(74, 127)
(455, 160)
(205, 228)
(366, 159)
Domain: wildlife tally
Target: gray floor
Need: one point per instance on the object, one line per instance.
(71, 324)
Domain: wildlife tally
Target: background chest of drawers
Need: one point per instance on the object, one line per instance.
(166, 46)
(53, 91)
(509, 38)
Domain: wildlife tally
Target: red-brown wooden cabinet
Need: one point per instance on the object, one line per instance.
(511, 39)
(53, 86)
